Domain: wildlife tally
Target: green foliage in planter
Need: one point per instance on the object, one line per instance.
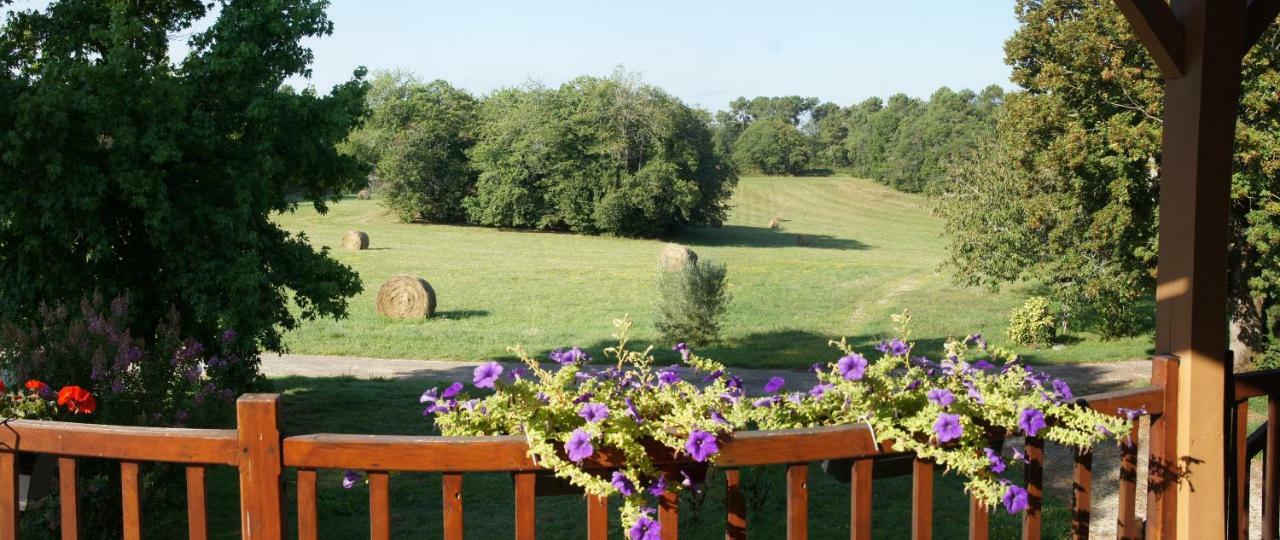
(692, 301)
(1033, 324)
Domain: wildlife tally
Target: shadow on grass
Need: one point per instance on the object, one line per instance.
(460, 314)
(763, 237)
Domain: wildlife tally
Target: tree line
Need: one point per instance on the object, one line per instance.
(596, 155)
(902, 142)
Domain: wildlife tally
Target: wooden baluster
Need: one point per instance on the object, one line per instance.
(452, 484)
(979, 520)
(1162, 489)
(261, 467)
(1241, 506)
(597, 518)
(526, 506)
(131, 494)
(1127, 521)
(735, 504)
(1270, 498)
(669, 513)
(797, 501)
(860, 477)
(379, 505)
(1034, 474)
(69, 493)
(308, 520)
(922, 500)
(197, 515)
(8, 493)
(1081, 495)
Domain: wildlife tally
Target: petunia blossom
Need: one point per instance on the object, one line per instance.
(645, 528)
(947, 427)
(852, 367)
(349, 479)
(993, 458)
(620, 482)
(579, 446)
(451, 391)
(1060, 386)
(941, 397)
(701, 445)
(1031, 421)
(485, 375)
(1015, 499)
(774, 384)
(594, 412)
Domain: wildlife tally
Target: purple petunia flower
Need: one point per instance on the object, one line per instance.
(948, 427)
(485, 375)
(571, 356)
(1131, 414)
(897, 347)
(1031, 421)
(816, 367)
(701, 445)
(633, 411)
(913, 385)
(993, 457)
(645, 528)
(941, 397)
(1103, 430)
(594, 412)
(623, 484)
(451, 391)
(579, 446)
(852, 367)
(713, 375)
(430, 396)
(820, 389)
(983, 364)
(1019, 454)
(765, 402)
(683, 349)
(774, 384)
(350, 478)
(668, 376)
(717, 417)
(1015, 499)
(584, 398)
(1062, 389)
(658, 487)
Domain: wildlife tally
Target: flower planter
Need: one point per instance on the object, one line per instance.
(547, 484)
(886, 466)
(35, 473)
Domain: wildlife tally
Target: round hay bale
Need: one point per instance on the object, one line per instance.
(355, 240)
(775, 223)
(675, 256)
(406, 297)
(364, 194)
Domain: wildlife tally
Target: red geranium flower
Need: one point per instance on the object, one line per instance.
(37, 386)
(77, 400)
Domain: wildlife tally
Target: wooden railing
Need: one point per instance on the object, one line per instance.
(1246, 445)
(261, 456)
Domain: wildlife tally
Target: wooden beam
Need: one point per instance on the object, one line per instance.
(1258, 17)
(1159, 30)
(1191, 290)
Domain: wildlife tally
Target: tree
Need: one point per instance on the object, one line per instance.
(597, 155)
(127, 173)
(1079, 154)
(417, 137)
(873, 131)
(948, 127)
(772, 146)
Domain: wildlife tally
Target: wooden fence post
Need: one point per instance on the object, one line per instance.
(261, 467)
(1162, 470)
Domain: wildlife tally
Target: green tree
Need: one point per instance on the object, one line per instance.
(947, 128)
(597, 155)
(417, 137)
(873, 132)
(1079, 157)
(772, 146)
(127, 172)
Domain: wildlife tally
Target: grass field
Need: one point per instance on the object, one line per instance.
(342, 405)
(871, 252)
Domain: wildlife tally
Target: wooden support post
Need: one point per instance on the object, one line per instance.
(1191, 290)
(261, 467)
(1162, 467)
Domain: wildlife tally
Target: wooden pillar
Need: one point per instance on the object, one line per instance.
(261, 467)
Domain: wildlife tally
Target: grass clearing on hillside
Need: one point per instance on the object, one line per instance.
(868, 252)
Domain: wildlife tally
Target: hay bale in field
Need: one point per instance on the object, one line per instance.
(364, 194)
(775, 223)
(355, 240)
(406, 297)
(675, 256)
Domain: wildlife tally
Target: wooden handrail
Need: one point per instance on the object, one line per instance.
(1256, 383)
(170, 445)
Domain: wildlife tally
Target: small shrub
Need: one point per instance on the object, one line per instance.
(691, 302)
(1270, 358)
(1033, 324)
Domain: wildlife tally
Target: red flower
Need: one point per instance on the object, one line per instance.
(37, 386)
(77, 400)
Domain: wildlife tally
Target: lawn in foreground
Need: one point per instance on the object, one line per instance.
(343, 405)
(866, 252)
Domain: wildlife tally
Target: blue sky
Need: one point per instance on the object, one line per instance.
(705, 52)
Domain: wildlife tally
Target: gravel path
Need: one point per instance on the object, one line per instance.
(1083, 378)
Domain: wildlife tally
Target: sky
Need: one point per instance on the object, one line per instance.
(707, 52)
